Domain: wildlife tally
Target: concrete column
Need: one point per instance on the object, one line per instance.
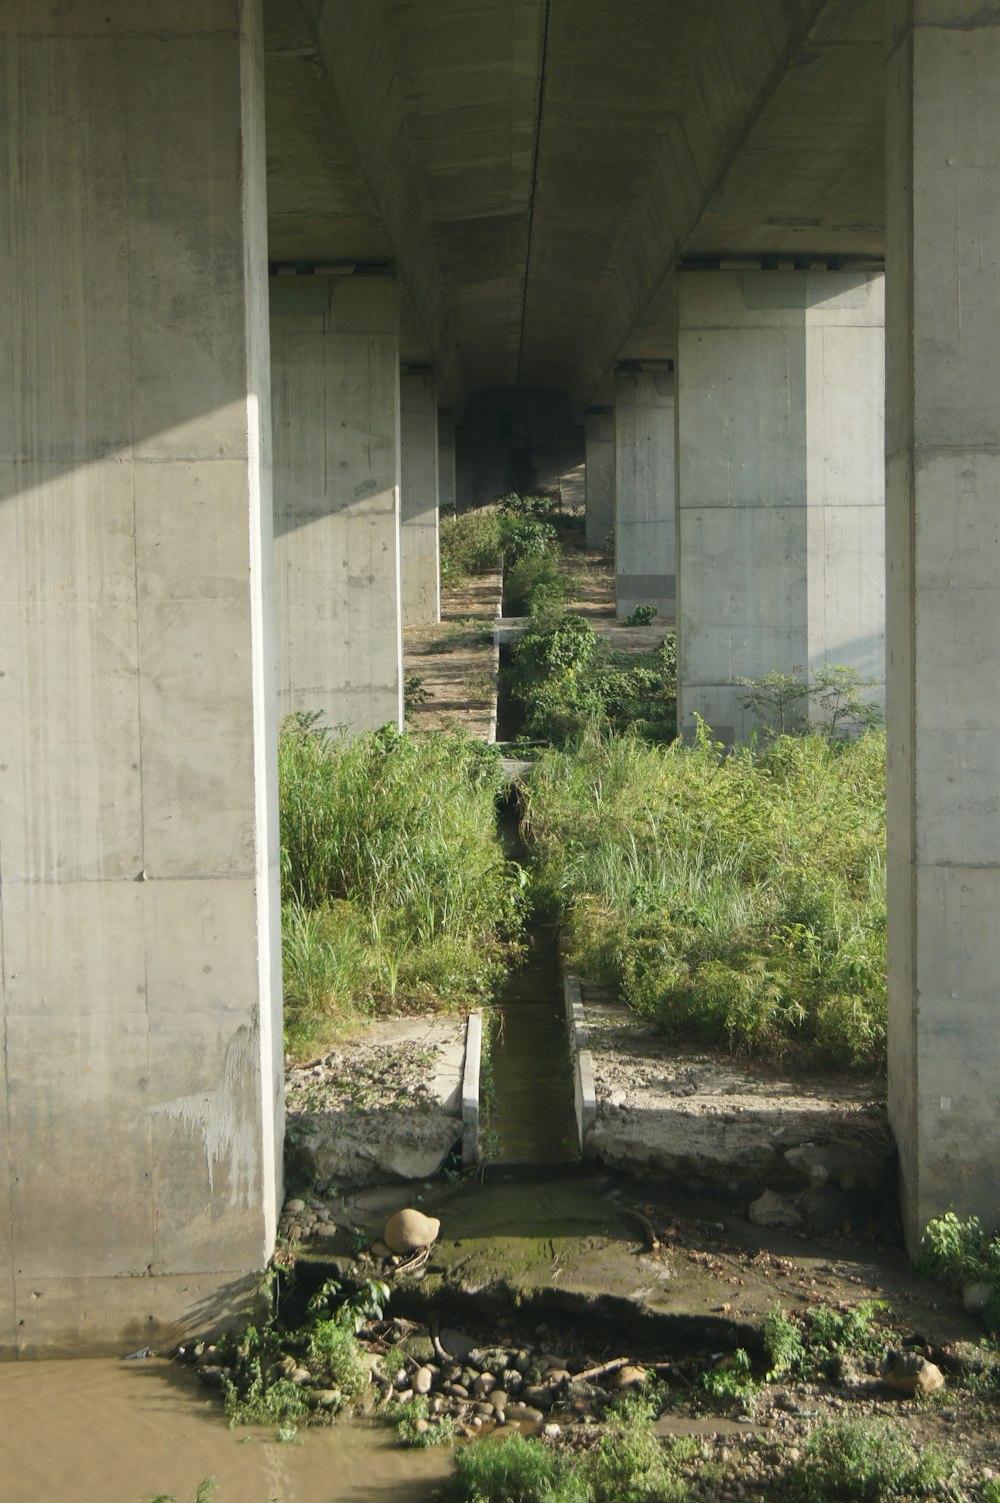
(943, 534)
(599, 441)
(419, 498)
(140, 1120)
(644, 491)
(447, 492)
(335, 381)
(780, 435)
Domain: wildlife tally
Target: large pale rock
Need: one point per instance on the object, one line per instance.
(771, 1209)
(409, 1229)
(908, 1373)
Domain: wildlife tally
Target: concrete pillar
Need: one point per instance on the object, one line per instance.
(419, 498)
(644, 491)
(943, 533)
(447, 493)
(335, 383)
(599, 440)
(780, 436)
(141, 1110)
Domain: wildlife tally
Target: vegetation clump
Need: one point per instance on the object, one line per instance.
(866, 1461)
(956, 1252)
(569, 680)
(395, 886)
(817, 1342)
(734, 899)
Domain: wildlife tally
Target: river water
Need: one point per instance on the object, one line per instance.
(100, 1431)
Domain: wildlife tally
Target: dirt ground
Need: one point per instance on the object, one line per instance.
(454, 661)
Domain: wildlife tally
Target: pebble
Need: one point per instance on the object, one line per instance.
(300, 1375)
(326, 1397)
(551, 1432)
(455, 1390)
(484, 1384)
(409, 1230)
(498, 1398)
(294, 1207)
(525, 1412)
(423, 1380)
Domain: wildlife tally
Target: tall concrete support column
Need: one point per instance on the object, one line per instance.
(140, 1102)
(780, 439)
(419, 498)
(447, 492)
(644, 491)
(943, 541)
(599, 471)
(335, 380)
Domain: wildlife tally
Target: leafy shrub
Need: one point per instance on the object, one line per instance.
(569, 680)
(641, 616)
(865, 1461)
(533, 583)
(470, 544)
(955, 1252)
(731, 1386)
(831, 702)
(416, 1429)
(817, 1342)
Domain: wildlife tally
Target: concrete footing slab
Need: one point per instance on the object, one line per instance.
(791, 1149)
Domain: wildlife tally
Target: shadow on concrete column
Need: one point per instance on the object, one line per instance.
(335, 375)
(780, 435)
(599, 438)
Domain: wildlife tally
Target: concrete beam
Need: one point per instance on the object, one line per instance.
(354, 50)
(943, 443)
(780, 437)
(141, 1112)
(335, 378)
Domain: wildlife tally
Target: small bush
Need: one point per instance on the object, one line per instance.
(630, 1465)
(732, 1387)
(513, 1470)
(955, 1252)
(820, 1339)
(641, 616)
(470, 544)
(416, 1428)
(866, 1461)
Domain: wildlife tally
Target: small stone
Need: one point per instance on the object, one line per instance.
(211, 1376)
(499, 1415)
(380, 1250)
(409, 1230)
(455, 1390)
(551, 1432)
(423, 1380)
(326, 1229)
(541, 1397)
(294, 1207)
(300, 1376)
(421, 1426)
(476, 1422)
(401, 1380)
(526, 1413)
(486, 1410)
(629, 1377)
(484, 1384)
(326, 1398)
(498, 1398)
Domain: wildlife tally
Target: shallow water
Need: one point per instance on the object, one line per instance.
(121, 1432)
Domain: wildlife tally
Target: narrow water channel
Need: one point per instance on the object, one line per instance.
(531, 1116)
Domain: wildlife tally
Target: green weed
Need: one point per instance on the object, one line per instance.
(513, 1470)
(865, 1461)
(732, 1387)
(630, 1465)
(470, 544)
(820, 1340)
(830, 701)
(416, 1428)
(736, 899)
(954, 1252)
(202, 1493)
(395, 884)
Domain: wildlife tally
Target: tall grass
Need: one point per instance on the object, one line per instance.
(395, 886)
(733, 898)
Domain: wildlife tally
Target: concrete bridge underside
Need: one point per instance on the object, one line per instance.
(741, 256)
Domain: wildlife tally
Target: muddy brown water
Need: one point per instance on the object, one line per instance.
(100, 1431)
